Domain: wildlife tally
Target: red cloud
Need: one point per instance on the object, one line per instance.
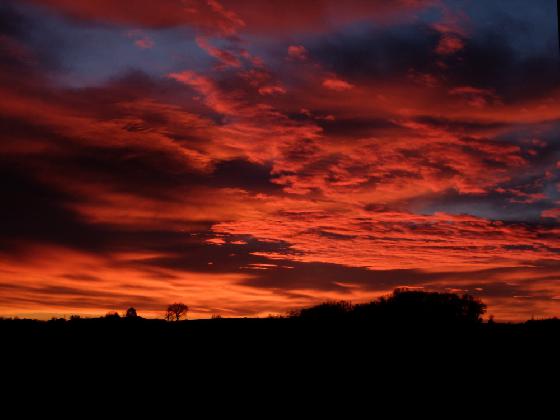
(297, 52)
(144, 43)
(207, 15)
(226, 58)
(140, 178)
(272, 90)
(552, 213)
(475, 97)
(452, 30)
(337, 84)
(449, 44)
(229, 16)
(141, 40)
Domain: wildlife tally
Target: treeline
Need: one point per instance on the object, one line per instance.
(403, 306)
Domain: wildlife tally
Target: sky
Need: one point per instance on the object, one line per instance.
(248, 157)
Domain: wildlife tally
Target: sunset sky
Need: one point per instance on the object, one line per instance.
(248, 157)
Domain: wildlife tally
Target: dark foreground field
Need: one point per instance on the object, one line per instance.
(273, 335)
(405, 328)
(335, 354)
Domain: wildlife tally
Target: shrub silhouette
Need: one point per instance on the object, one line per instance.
(176, 311)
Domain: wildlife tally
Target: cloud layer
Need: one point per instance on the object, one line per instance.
(251, 157)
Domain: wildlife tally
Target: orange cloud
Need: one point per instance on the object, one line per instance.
(397, 240)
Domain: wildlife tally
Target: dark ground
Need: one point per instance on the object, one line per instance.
(403, 339)
(287, 337)
(287, 361)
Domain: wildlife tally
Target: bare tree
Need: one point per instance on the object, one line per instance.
(176, 311)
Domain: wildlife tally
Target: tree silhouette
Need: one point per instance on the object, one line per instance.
(131, 313)
(404, 306)
(176, 311)
(410, 306)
